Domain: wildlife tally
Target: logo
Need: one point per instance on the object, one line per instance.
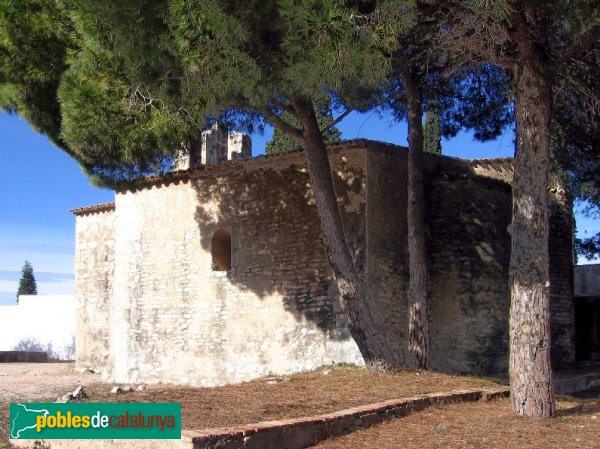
(89, 421)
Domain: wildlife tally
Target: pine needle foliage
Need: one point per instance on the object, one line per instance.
(27, 283)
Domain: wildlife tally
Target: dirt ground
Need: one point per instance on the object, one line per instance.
(37, 382)
(481, 425)
(40, 381)
(472, 425)
(321, 391)
(315, 392)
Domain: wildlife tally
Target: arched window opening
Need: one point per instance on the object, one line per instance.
(221, 251)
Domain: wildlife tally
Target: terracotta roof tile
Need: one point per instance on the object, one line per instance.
(96, 209)
(225, 166)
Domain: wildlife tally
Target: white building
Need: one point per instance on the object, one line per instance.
(40, 323)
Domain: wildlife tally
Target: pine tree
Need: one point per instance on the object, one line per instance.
(419, 77)
(35, 37)
(149, 74)
(575, 124)
(141, 79)
(27, 284)
(539, 43)
(432, 132)
(282, 143)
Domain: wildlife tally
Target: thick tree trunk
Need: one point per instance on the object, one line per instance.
(418, 324)
(351, 284)
(531, 385)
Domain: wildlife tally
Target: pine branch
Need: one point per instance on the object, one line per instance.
(281, 125)
(337, 120)
(522, 35)
(579, 47)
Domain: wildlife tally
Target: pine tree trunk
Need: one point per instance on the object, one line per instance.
(351, 284)
(418, 325)
(532, 391)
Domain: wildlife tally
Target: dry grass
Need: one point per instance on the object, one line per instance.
(304, 394)
(320, 391)
(481, 425)
(471, 425)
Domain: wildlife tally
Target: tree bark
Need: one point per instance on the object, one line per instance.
(532, 391)
(418, 321)
(351, 283)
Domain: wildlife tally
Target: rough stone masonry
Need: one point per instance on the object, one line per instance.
(216, 273)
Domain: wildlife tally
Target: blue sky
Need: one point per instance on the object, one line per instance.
(40, 184)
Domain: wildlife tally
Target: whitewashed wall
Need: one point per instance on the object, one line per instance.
(40, 323)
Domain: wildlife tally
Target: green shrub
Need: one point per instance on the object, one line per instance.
(491, 354)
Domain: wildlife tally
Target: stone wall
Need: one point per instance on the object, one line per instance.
(560, 251)
(239, 146)
(587, 280)
(587, 312)
(387, 264)
(467, 215)
(469, 252)
(94, 271)
(175, 318)
(276, 311)
(23, 356)
(214, 146)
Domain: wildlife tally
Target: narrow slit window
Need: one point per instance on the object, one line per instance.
(221, 251)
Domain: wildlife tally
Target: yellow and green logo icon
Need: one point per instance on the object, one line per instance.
(95, 421)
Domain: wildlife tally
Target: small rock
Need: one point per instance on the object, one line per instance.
(141, 388)
(116, 390)
(594, 417)
(326, 372)
(79, 393)
(66, 398)
(126, 389)
(82, 370)
(271, 382)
